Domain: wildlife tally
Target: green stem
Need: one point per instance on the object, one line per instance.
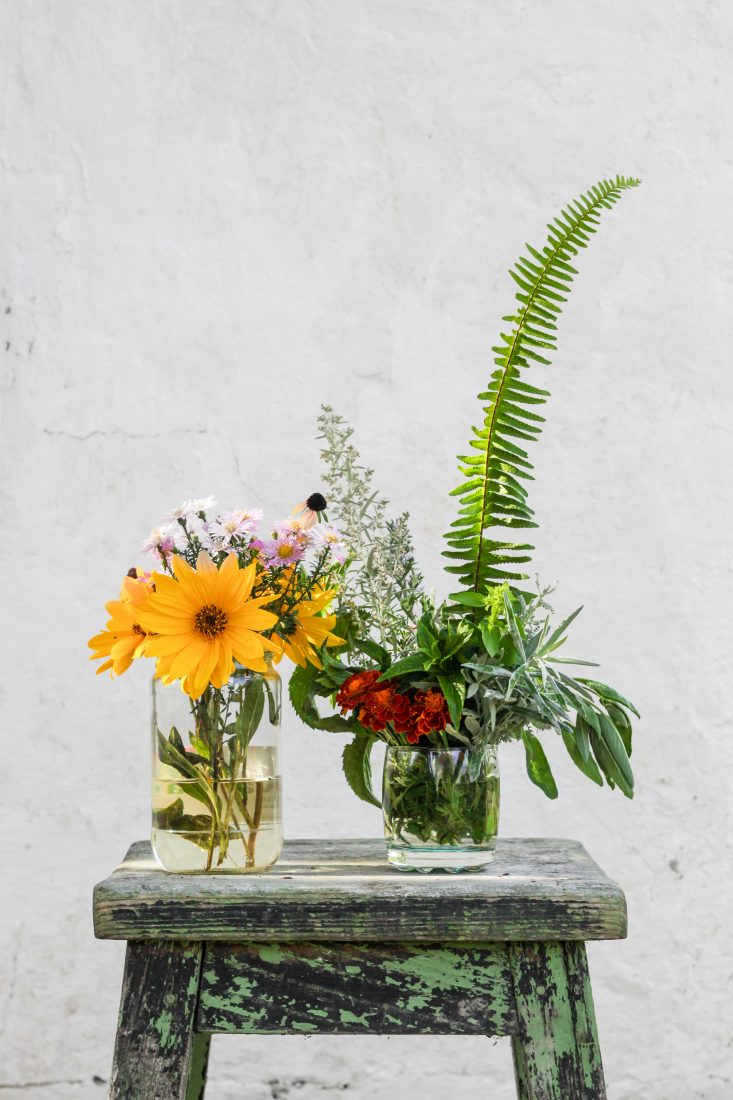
(256, 817)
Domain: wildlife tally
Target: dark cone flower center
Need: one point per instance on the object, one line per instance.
(317, 502)
(211, 620)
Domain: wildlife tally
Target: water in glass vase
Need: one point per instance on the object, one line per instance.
(216, 799)
(441, 807)
(247, 835)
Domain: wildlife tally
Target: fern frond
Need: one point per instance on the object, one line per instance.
(492, 493)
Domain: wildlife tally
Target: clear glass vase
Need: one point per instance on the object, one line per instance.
(216, 794)
(441, 807)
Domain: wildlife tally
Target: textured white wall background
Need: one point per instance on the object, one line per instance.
(218, 215)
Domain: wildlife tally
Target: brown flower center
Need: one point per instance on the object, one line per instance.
(211, 620)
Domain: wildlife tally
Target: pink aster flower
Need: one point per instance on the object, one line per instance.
(293, 529)
(282, 549)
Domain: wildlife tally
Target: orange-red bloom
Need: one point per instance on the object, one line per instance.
(429, 713)
(380, 705)
(355, 688)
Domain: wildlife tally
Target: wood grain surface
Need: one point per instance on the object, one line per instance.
(330, 890)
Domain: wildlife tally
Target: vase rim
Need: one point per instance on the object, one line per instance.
(439, 748)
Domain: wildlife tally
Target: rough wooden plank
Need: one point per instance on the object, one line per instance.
(155, 1027)
(553, 1062)
(340, 988)
(345, 890)
(199, 1066)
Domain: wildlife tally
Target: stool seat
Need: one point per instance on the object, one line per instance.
(326, 890)
(334, 940)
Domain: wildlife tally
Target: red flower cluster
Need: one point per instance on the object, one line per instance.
(378, 705)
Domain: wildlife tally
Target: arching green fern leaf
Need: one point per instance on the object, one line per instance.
(493, 493)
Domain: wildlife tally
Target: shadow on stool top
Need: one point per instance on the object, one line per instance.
(328, 890)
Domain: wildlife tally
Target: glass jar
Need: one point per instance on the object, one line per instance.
(216, 796)
(441, 807)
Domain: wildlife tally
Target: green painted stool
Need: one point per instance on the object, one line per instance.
(334, 941)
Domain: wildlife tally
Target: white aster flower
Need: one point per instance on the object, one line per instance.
(240, 522)
(191, 508)
(195, 528)
(162, 540)
(328, 538)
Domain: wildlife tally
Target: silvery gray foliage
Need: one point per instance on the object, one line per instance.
(383, 588)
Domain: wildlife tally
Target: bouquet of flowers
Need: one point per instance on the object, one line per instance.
(443, 683)
(220, 611)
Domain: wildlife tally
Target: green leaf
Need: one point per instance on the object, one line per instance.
(426, 638)
(487, 492)
(608, 693)
(491, 637)
(336, 723)
(303, 683)
(414, 663)
(621, 721)
(184, 764)
(357, 766)
(372, 649)
(198, 827)
(538, 768)
(556, 639)
(614, 776)
(455, 695)
(614, 744)
(468, 599)
(301, 691)
(586, 765)
(582, 739)
(251, 711)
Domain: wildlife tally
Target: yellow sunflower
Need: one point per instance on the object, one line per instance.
(124, 638)
(203, 620)
(309, 630)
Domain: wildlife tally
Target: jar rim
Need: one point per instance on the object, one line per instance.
(439, 748)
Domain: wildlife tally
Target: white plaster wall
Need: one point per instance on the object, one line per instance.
(218, 215)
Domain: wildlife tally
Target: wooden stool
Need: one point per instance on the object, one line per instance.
(332, 940)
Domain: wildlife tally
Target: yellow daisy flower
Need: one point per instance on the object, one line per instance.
(124, 638)
(203, 620)
(309, 630)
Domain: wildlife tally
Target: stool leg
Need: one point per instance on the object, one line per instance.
(155, 1037)
(586, 1034)
(520, 1069)
(557, 1056)
(199, 1066)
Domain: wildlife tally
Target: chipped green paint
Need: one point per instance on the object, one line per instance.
(163, 1026)
(198, 1067)
(156, 1021)
(560, 1056)
(398, 988)
(347, 1018)
(271, 953)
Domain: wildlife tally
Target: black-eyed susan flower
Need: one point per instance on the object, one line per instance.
(204, 620)
(124, 639)
(306, 629)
